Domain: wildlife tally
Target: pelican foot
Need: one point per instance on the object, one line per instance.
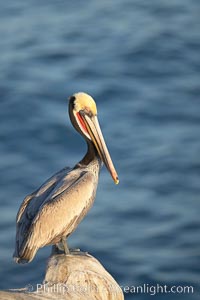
(74, 250)
(78, 252)
(59, 249)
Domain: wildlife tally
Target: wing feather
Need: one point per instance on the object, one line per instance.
(63, 212)
(31, 205)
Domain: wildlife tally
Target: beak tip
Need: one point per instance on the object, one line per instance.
(116, 180)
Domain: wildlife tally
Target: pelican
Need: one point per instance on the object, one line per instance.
(51, 213)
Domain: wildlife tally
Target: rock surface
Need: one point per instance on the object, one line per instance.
(77, 276)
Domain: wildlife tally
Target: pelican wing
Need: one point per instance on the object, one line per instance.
(61, 214)
(31, 205)
(42, 192)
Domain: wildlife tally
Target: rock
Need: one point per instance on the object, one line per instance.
(77, 276)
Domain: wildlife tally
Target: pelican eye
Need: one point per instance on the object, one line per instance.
(90, 114)
(86, 112)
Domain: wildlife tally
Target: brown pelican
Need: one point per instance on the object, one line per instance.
(51, 213)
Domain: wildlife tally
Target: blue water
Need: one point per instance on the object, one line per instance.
(140, 60)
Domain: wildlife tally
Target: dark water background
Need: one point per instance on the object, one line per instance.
(141, 62)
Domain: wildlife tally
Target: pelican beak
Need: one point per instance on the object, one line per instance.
(96, 136)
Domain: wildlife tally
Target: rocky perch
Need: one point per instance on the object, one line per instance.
(77, 276)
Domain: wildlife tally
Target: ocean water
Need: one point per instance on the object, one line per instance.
(140, 60)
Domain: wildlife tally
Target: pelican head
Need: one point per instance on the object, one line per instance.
(83, 115)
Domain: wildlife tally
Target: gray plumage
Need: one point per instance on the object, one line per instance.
(52, 212)
(55, 209)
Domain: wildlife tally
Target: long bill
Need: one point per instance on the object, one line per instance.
(96, 135)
